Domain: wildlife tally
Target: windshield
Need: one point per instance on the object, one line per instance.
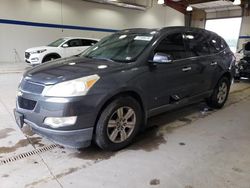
(119, 47)
(57, 43)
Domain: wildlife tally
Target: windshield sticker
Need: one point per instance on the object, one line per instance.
(145, 38)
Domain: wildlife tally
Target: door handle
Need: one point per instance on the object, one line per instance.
(213, 63)
(186, 69)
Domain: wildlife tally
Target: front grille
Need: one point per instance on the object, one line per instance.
(31, 87)
(27, 55)
(26, 103)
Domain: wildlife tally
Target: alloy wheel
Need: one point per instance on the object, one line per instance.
(121, 124)
(222, 93)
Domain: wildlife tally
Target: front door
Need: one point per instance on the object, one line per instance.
(74, 47)
(172, 81)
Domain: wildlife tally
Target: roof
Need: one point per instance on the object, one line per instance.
(68, 38)
(149, 30)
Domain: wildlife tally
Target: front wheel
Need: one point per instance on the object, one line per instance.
(220, 94)
(118, 124)
(49, 58)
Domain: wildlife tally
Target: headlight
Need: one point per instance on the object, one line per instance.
(77, 87)
(38, 51)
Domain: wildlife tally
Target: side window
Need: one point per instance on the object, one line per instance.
(172, 45)
(74, 43)
(223, 44)
(216, 44)
(196, 44)
(87, 42)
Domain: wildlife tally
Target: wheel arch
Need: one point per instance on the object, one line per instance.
(225, 74)
(54, 54)
(228, 75)
(129, 93)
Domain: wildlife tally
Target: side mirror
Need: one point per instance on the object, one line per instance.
(65, 45)
(162, 58)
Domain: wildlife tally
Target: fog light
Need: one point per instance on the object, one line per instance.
(56, 122)
(34, 59)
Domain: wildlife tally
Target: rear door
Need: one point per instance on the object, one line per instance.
(198, 53)
(219, 55)
(86, 43)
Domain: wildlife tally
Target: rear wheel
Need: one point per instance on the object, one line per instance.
(118, 124)
(220, 94)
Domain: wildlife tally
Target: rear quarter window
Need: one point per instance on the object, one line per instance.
(216, 43)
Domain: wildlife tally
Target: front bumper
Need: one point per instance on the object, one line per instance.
(78, 135)
(70, 138)
(33, 59)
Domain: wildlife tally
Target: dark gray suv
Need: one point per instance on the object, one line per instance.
(107, 93)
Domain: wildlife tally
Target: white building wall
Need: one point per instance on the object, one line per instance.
(245, 25)
(224, 14)
(16, 38)
(245, 31)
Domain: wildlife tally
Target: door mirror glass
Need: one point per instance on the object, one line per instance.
(162, 58)
(65, 45)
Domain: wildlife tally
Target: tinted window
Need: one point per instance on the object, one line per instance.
(196, 44)
(57, 43)
(247, 46)
(216, 44)
(87, 42)
(173, 45)
(74, 43)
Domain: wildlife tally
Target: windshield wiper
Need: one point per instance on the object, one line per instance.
(77, 55)
(102, 58)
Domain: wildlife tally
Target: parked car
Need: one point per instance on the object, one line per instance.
(243, 66)
(239, 55)
(107, 93)
(63, 47)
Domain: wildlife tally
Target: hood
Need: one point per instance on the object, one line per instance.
(39, 48)
(69, 68)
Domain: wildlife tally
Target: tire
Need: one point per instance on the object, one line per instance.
(237, 78)
(49, 58)
(220, 94)
(112, 124)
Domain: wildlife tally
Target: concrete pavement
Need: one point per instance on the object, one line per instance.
(192, 147)
(13, 67)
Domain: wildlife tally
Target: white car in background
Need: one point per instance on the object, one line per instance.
(63, 47)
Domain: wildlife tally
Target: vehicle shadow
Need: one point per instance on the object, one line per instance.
(153, 136)
(158, 126)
